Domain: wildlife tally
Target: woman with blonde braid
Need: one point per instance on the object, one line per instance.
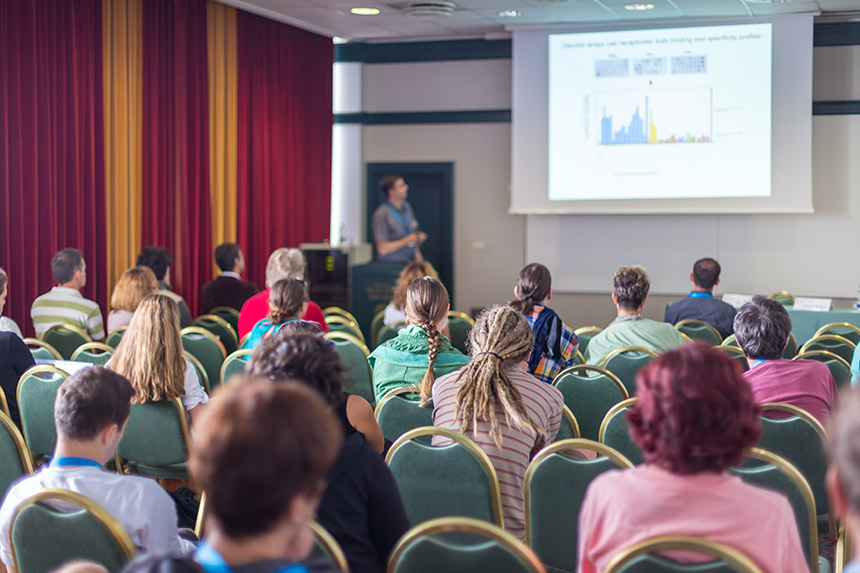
(419, 352)
(494, 401)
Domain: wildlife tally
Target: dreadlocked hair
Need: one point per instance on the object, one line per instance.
(501, 339)
(426, 306)
(533, 285)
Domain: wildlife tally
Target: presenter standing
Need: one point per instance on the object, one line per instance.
(395, 230)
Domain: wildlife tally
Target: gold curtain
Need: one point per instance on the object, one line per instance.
(122, 41)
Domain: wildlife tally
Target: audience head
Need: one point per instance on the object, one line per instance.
(392, 183)
(694, 411)
(287, 426)
(706, 273)
(534, 284)
(69, 268)
(427, 306)
(630, 286)
(843, 476)
(156, 258)
(4, 289)
(150, 352)
(288, 299)
(285, 264)
(412, 271)
(226, 256)
(762, 327)
(303, 357)
(133, 286)
(299, 325)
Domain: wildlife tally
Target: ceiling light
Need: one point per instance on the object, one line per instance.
(365, 11)
(639, 6)
(509, 13)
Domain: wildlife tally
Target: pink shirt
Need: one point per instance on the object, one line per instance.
(256, 309)
(624, 507)
(806, 384)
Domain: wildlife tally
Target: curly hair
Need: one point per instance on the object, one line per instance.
(631, 286)
(533, 285)
(426, 305)
(694, 411)
(411, 272)
(286, 299)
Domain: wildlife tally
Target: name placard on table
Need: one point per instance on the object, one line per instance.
(808, 303)
(737, 300)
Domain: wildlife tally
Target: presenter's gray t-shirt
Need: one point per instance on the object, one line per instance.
(387, 227)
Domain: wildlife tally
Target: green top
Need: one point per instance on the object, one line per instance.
(403, 360)
(658, 336)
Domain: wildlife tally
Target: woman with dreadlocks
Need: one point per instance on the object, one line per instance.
(555, 344)
(508, 412)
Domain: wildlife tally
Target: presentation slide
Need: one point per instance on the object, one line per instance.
(660, 114)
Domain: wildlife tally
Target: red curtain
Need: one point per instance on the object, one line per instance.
(175, 141)
(285, 122)
(52, 184)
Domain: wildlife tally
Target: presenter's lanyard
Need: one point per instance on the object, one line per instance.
(212, 562)
(405, 222)
(71, 461)
(696, 294)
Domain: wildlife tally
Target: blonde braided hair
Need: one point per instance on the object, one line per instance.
(501, 339)
(426, 305)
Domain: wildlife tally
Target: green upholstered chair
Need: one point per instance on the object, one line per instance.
(353, 354)
(585, 334)
(790, 350)
(614, 432)
(389, 331)
(206, 348)
(457, 479)
(736, 353)
(553, 491)
(460, 325)
(95, 353)
(700, 330)
(66, 338)
(115, 336)
(156, 441)
(222, 330)
(37, 390)
(15, 458)
(569, 427)
(625, 362)
(834, 343)
(461, 545)
(327, 547)
(43, 538)
(231, 315)
(338, 323)
(783, 297)
(589, 392)
(202, 376)
(644, 558)
(839, 368)
(730, 340)
(376, 326)
(338, 311)
(41, 350)
(843, 329)
(235, 363)
(399, 411)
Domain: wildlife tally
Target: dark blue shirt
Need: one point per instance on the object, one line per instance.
(715, 312)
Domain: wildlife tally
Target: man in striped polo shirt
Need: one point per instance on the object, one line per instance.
(65, 303)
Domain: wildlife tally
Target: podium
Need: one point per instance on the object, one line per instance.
(329, 271)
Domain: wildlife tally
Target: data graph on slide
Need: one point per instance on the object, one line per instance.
(654, 116)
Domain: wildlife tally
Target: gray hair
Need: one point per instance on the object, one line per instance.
(285, 264)
(762, 327)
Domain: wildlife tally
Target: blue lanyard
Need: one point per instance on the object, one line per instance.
(405, 222)
(212, 562)
(698, 294)
(71, 461)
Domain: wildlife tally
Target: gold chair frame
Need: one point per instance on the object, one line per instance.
(93, 346)
(221, 322)
(338, 319)
(697, 322)
(731, 556)
(349, 338)
(597, 369)
(331, 546)
(69, 327)
(338, 311)
(205, 333)
(239, 353)
(42, 344)
(39, 368)
(244, 340)
(773, 296)
(624, 349)
(825, 353)
(374, 331)
(568, 416)
(628, 403)
(591, 329)
(186, 434)
(736, 350)
(826, 338)
(200, 522)
(115, 330)
(826, 328)
(227, 309)
(844, 548)
(461, 315)
(408, 389)
(727, 341)
(24, 452)
(200, 370)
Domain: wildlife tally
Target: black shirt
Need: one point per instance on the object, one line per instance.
(15, 359)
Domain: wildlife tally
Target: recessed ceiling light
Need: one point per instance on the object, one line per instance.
(509, 13)
(639, 6)
(365, 11)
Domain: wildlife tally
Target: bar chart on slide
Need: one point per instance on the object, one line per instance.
(654, 116)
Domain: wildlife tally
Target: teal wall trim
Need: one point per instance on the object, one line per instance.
(424, 117)
(836, 34)
(836, 107)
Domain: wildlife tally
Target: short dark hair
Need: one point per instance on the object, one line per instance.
(156, 258)
(706, 272)
(90, 400)
(387, 183)
(694, 412)
(226, 255)
(631, 286)
(762, 327)
(299, 325)
(65, 263)
(258, 446)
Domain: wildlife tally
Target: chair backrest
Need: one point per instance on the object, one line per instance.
(699, 330)
(839, 368)
(738, 354)
(353, 354)
(834, 343)
(222, 330)
(585, 334)
(338, 311)
(156, 438)
(37, 390)
(235, 363)
(790, 350)
(457, 479)
(327, 546)
(843, 329)
(43, 537)
(730, 340)
(65, 338)
(15, 458)
(643, 557)
(399, 411)
(779, 475)
(231, 315)
(207, 349)
(389, 331)
(783, 297)
(95, 353)
(202, 376)
(461, 545)
(625, 362)
(115, 336)
(41, 350)
(589, 392)
(460, 326)
(338, 323)
(844, 548)
(376, 326)
(553, 491)
(569, 427)
(615, 433)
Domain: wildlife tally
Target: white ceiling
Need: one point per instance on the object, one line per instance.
(479, 18)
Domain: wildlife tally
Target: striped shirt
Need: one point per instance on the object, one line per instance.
(67, 305)
(544, 404)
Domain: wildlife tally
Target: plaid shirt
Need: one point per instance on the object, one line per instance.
(548, 368)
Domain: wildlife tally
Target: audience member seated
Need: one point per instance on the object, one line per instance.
(631, 286)
(508, 412)
(693, 419)
(160, 261)
(150, 356)
(6, 323)
(133, 286)
(555, 344)
(261, 493)
(762, 328)
(90, 413)
(228, 289)
(361, 507)
(65, 303)
(283, 264)
(701, 304)
(15, 359)
(396, 309)
(419, 352)
(855, 366)
(843, 476)
(287, 302)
